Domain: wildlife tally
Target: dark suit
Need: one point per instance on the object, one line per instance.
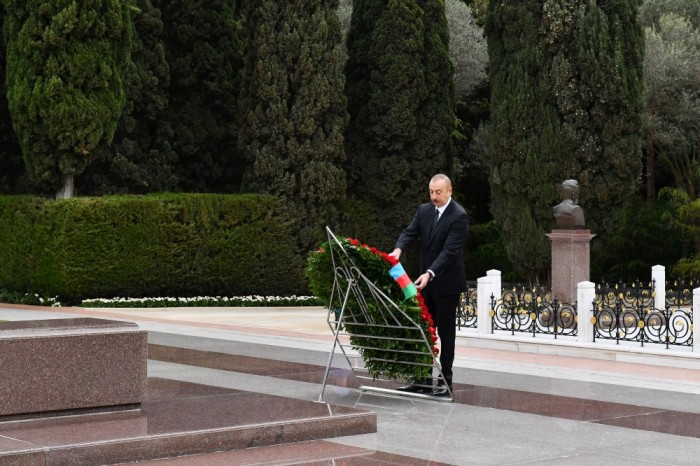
(442, 251)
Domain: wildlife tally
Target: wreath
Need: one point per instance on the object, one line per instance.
(387, 355)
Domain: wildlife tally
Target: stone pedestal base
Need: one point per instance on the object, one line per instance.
(571, 262)
(63, 365)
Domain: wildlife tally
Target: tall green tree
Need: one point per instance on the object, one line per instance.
(10, 152)
(295, 111)
(140, 159)
(566, 102)
(66, 62)
(204, 52)
(401, 104)
(672, 97)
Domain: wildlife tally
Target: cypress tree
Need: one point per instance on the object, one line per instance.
(358, 86)
(65, 68)
(566, 103)
(10, 152)
(204, 53)
(436, 120)
(400, 100)
(294, 111)
(140, 159)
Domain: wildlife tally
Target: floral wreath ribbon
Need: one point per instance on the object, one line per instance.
(398, 273)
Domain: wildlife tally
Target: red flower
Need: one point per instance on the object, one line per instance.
(320, 249)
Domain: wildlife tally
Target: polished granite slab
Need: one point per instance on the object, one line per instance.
(179, 418)
(312, 453)
(61, 366)
(596, 411)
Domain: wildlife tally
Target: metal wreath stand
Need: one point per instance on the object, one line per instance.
(346, 283)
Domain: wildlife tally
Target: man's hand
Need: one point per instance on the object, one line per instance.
(396, 253)
(422, 281)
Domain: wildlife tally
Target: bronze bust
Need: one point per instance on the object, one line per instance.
(568, 215)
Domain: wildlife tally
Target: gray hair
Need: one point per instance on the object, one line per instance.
(441, 177)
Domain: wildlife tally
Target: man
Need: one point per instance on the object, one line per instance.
(442, 226)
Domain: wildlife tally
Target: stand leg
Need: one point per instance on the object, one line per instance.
(335, 341)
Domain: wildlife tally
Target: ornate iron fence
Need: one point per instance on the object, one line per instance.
(532, 310)
(679, 292)
(627, 313)
(621, 312)
(467, 310)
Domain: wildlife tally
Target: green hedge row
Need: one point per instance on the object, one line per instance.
(156, 245)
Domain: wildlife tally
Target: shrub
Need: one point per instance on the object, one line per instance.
(164, 245)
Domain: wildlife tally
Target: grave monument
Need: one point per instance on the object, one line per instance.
(570, 244)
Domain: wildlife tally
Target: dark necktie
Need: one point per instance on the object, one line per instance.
(436, 215)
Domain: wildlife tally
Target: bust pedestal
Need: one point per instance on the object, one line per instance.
(571, 262)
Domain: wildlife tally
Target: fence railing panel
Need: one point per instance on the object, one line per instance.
(467, 315)
(621, 312)
(532, 310)
(626, 313)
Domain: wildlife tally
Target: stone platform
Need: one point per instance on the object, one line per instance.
(579, 400)
(571, 262)
(62, 366)
(179, 418)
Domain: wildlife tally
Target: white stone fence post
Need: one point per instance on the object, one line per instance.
(658, 276)
(696, 318)
(585, 296)
(485, 288)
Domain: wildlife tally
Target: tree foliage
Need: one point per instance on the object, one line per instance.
(566, 103)
(204, 52)
(401, 104)
(480, 9)
(294, 113)
(10, 152)
(66, 62)
(469, 55)
(672, 111)
(468, 51)
(467, 43)
(344, 12)
(672, 100)
(652, 11)
(644, 238)
(140, 159)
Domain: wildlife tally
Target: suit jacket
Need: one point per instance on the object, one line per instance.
(442, 249)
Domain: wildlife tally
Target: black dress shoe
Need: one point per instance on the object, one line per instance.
(441, 390)
(413, 388)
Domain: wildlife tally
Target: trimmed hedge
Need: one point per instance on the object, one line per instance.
(156, 245)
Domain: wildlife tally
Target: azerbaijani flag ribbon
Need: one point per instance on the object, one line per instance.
(399, 274)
